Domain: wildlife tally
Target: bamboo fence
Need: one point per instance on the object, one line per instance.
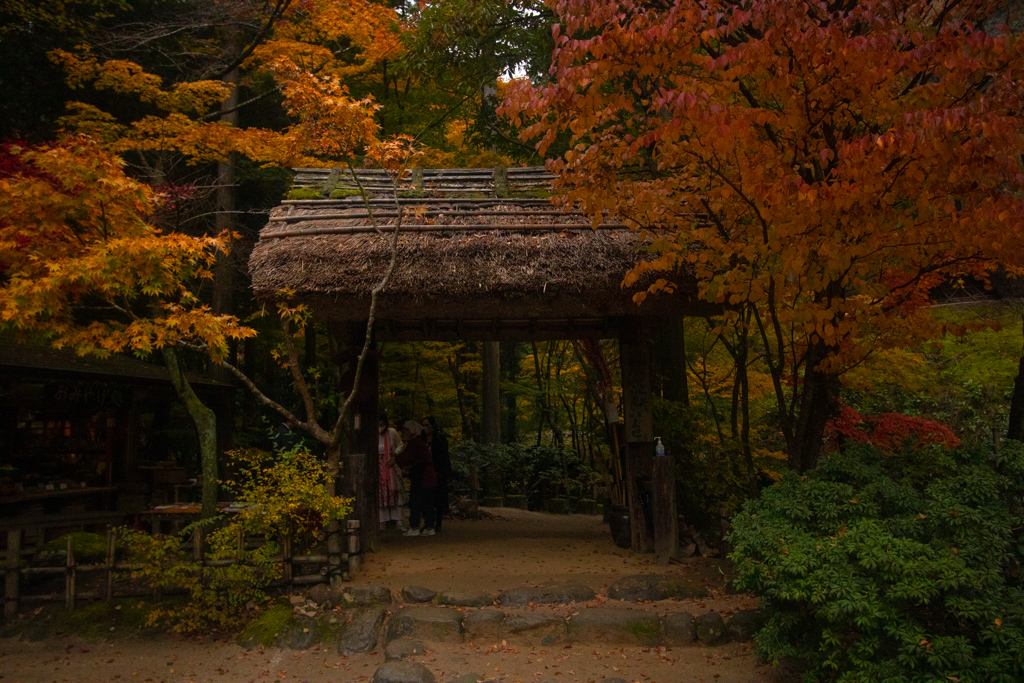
(345, 565)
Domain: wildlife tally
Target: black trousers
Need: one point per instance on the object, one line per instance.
(421, 505)
(440, 501)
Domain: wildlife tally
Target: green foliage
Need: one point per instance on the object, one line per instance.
(524, 470)
(963, 382)
(892, 568)
(708, 476)
(341, 194)
(88, 549)
(217, 595)
(281, 493)
(275, 496)
(416, 380)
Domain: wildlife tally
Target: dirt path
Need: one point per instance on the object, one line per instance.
(71, 660)
(491, 555)
(516, 547)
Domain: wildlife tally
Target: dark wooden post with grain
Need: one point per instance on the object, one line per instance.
(111, 552)
(13, 574)
(354, 556)
(286, 551)
(69, 578)
(635, 353)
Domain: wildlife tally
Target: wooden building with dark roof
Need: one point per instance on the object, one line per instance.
(87, 441)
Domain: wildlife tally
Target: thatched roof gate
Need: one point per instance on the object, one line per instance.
(482, 254)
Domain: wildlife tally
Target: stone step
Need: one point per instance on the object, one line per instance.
(361, 630)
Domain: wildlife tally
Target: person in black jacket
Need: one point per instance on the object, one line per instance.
(422, 479)
(438, 442)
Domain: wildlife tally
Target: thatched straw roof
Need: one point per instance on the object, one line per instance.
(480, 267)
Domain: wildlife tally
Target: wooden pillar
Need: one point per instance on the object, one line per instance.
(368, 408)
(635, 353)
(359, 473)
(12, 575)
(491, 423)
(671, 343)
(491, 418)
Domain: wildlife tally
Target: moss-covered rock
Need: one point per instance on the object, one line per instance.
(615, 626)
(267, 627)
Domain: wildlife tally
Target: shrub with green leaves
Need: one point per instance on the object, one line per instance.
(892, 569)
(275, 495)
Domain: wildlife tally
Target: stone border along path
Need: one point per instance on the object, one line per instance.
(526, 617)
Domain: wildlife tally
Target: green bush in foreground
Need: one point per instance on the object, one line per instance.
(892, 568)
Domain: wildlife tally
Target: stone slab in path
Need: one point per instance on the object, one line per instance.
(361, 634)
(655, 587)
(417, 594)
(362, 595)
(403, 672)
(710, 628)
(552, 593)
(468, 678)
(484, 624)
(678, 629)
(436, 624)
(403, 648)
(465, 599)
(534, 628)
(615, 626)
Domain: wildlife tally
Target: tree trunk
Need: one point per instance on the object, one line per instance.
(334, 544)
(460, 396)
(491, 422)
(817, 405)
(509, 357)
(206, 427)
(1015, 430)
(367, 408)
(223, 283)
(1016, 427)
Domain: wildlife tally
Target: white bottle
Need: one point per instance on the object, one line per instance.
(659, 447)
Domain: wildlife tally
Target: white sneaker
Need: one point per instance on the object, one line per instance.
(428, 532)
(412, 532)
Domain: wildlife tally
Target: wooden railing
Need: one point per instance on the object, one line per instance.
(345, 565)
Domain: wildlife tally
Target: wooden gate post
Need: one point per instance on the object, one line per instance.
(111, 553)
(360, 474)
(666, 522)
(69, 580)
(286, 560)
(635, 355)
(13, 574)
